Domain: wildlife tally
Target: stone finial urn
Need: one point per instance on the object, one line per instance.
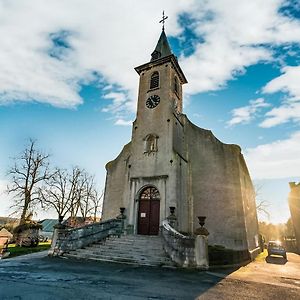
(172, 219)
(172, 210)
(201, 230)
(121, 215)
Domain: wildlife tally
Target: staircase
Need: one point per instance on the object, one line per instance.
(129, 249)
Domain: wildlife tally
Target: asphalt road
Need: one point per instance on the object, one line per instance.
(39, 277)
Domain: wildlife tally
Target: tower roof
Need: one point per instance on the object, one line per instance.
(162, 54)
(162, 48)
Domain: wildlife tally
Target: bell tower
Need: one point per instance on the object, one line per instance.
(157, 140)
(171, 167)
(161, 80)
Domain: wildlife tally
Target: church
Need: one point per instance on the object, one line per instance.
(171, 164)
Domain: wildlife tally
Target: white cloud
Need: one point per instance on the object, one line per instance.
(282, 114)
(111, 39)
(236, 35)
(288, 82)
(245, 114)
(122, 122)
(289, 110)
(279, 159)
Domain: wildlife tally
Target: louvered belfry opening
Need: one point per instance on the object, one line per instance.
(154, 82)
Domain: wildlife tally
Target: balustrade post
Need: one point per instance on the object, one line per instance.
(201, 245)
(122, 217)
(58, 233)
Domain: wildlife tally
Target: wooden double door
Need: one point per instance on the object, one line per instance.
(148, 212)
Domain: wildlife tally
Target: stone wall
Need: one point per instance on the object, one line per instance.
(116, 183)
(185, 251)
(294, 204)
(220, 188)
(68, 239)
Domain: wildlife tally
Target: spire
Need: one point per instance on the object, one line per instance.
(162, 48)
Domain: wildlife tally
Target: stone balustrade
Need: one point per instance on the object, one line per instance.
(185, 251)
(67, 239)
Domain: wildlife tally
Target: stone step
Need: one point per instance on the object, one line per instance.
(129, 249)
(125, 261)
(84, 252)
(124, 249)
(143, 241)
(122, 254)
(132, 245)
(138, 259)
(132, 251)
(137, 238)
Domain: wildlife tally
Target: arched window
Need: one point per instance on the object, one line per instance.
(150, 143)
(154, 82)
(150, 193)
(175, 85)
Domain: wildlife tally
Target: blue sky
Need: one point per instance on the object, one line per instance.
(67, 80)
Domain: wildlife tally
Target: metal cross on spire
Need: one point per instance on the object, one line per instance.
(163, 20)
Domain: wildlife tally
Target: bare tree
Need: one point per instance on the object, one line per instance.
(97, 203)
(57, 193)
(70, 193)
(88, 199)
(261, 204)
(76, 190)
(29, 171)
(87, 195)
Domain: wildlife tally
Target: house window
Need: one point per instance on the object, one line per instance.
(154, 82)
(150, 143)
(176, 85)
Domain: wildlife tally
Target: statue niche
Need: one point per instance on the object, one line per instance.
(150, 143)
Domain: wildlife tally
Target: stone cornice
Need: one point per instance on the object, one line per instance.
(149, 177)
(170, 58)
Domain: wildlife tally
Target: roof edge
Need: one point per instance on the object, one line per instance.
(170, 58)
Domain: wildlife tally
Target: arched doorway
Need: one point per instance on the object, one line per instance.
(148, 214)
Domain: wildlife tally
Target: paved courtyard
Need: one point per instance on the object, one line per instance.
(39, 277)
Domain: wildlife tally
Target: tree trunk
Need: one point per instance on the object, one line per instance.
(25, 208)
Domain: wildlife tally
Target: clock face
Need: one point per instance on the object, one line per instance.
(152, 101)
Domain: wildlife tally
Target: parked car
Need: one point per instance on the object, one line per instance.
(275, 248)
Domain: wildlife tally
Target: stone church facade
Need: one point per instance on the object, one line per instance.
(170, 162)
(294, 204)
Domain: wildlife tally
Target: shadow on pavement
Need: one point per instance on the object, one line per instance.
(278, 260)
(25, 278)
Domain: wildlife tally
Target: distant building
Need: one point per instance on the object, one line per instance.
(4, 233)
(8, 221)
(47, 227)
(78, 221)
(294, 204)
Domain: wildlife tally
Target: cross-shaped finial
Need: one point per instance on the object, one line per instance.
(163, 20)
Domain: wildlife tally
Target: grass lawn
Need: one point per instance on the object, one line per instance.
(16, 251)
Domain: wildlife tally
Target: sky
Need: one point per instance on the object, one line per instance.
(67, 80)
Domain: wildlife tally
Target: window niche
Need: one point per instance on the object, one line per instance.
(150, 143)
(176, 86)
(154, 81)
